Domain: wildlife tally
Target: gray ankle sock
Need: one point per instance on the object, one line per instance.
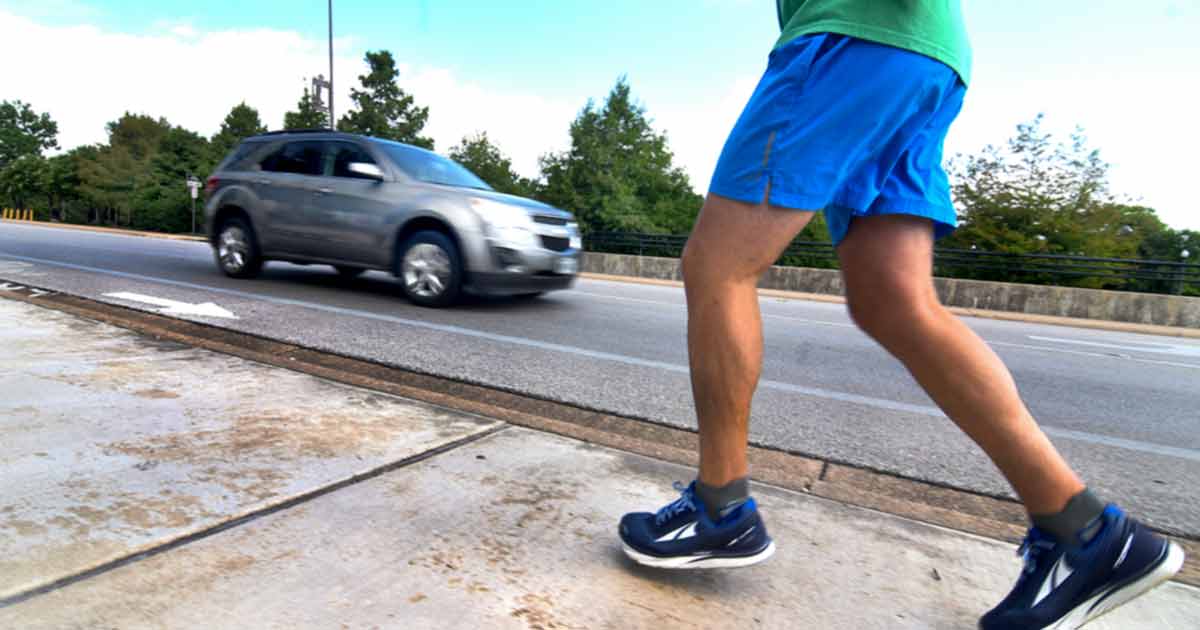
(724, 498)
(1078, 522)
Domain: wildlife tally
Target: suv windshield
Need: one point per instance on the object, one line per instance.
(430, 167)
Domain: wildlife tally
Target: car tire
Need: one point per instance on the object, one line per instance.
(348, 273)
(430, 269)
(236, 249)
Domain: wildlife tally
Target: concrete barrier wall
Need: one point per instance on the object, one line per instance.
(1117, 306)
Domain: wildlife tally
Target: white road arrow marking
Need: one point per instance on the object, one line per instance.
(10, 287)
(33, 293)
(172, 307)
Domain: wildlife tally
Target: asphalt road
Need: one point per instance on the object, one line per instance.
(1124, 408)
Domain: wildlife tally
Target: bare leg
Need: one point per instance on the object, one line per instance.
(887, 266)
(731, 246)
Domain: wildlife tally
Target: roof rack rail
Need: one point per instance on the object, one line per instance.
(287, 131)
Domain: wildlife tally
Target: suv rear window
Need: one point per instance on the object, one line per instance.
(302, 158)
(234, 161)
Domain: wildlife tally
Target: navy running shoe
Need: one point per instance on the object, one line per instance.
(682, 536)
(1067, 586)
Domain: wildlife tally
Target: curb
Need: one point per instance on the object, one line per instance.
(107, 230)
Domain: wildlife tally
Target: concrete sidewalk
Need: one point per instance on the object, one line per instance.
(151, 485)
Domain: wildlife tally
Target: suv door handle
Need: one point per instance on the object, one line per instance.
(323, 191)
(264, 182)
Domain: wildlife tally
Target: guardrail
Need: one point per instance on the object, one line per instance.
(11, 214)
(1122, 274)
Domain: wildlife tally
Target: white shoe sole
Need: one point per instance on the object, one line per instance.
(1084, 614)
(693, 562)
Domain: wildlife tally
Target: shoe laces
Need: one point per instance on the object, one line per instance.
(1035, 544)
(685, 503)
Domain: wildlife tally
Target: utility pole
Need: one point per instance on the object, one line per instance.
(332, 124)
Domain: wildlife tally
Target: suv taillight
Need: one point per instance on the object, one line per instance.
(211, 185)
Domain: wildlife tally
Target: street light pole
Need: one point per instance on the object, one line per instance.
(332, 125)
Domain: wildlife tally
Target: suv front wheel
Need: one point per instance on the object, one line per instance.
(236, 250)
(430, 269)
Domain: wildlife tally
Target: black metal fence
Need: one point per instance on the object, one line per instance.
(1150, 276)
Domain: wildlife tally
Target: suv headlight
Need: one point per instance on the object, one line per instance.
(576, 237)
(509, 224)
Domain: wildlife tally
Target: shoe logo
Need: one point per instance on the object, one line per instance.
(1058, 574)
(1124, 552)
(687, 531)
(743, 536)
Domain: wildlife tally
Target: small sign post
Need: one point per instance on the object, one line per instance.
(193, 185)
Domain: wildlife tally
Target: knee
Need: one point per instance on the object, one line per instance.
(698, 265)
(892, 313)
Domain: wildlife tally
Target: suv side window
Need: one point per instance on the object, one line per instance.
(302, 158)
(343, 155)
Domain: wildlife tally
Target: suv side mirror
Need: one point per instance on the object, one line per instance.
(365, 170)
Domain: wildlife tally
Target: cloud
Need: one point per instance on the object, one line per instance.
(193, 78)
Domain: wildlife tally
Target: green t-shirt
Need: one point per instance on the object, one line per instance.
(933, 28)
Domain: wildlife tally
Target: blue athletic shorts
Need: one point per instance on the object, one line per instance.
(849, 127)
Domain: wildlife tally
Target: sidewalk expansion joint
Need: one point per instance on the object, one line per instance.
(250, 517)
(981, 514)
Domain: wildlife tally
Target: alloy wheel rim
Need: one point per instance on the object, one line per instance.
(426, 270)
(233, 248)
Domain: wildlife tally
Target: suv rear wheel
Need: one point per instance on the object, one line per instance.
(430, 269)
(237, 250)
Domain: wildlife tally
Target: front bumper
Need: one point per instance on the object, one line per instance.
(530, 270)
(504, 283)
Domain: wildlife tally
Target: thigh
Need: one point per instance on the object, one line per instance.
(739, 239)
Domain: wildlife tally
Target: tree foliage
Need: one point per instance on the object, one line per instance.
(241, 123)
(307, 114)
(24, 132)
(618, 173)
(485, 159)
(382, 109)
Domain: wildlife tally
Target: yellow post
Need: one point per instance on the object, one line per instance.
(29, 214)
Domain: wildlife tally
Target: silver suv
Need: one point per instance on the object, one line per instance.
(359, 203)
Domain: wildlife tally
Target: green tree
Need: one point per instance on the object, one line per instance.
(112, 176)
(24, 132)
(1037, 195)
(241, 122)
(137, 133)
(62, 185)
(307, 114)
(23, 180)
(382, 109)
(1042, 195)
(485, 159)
(164, 203)
(618, 173)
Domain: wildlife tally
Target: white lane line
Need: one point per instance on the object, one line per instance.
(1186, 350)
(802, 320)
(622, 298)
(878, 403)
(1103, 355)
